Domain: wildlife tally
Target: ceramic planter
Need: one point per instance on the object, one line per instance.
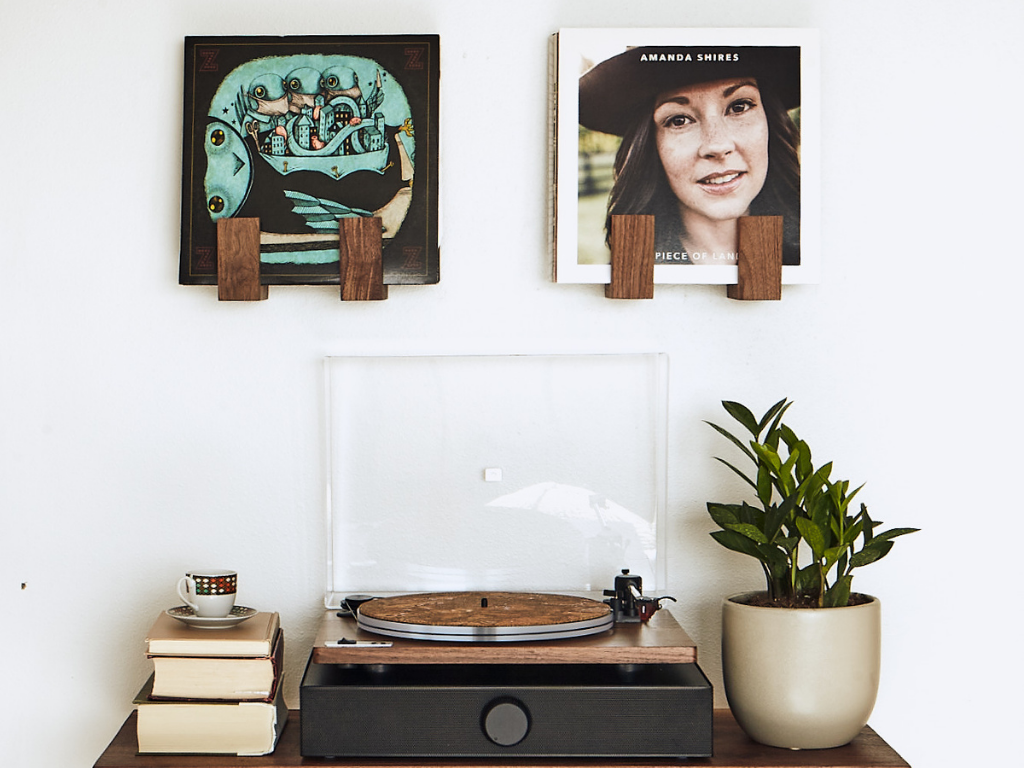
(801, 678)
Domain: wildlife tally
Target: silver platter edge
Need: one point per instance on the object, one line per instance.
(563, 631)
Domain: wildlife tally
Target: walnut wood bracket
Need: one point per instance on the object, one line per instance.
(360, 249)
(631, 239)
(238, 260)
(759, 260)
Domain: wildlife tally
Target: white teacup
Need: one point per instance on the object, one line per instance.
(209, 592)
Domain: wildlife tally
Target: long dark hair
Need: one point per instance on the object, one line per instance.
(641, 187)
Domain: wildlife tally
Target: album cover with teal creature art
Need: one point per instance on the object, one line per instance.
(302, 131)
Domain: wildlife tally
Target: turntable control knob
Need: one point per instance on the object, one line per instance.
(506, 721)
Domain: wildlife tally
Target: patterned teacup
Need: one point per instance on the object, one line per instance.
(209, 592)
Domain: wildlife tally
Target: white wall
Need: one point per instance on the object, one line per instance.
(145, 426)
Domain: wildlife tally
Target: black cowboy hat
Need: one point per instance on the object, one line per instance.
(618, 89)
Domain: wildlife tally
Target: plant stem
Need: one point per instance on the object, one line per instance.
(821, 585)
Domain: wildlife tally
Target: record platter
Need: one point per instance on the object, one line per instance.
(491, 674)
(485, 616)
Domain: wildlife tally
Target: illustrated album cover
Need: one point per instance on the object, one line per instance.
(697, 127)
(302, 131)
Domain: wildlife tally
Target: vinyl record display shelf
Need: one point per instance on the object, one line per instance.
(732, 750)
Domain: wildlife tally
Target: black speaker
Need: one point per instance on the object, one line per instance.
(513, 710)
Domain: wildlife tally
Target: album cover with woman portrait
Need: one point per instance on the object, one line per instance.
(300, 132)
(697, 127)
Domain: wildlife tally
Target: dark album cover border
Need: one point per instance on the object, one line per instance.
(302, 131)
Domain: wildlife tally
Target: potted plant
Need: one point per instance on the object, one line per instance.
(801, 659)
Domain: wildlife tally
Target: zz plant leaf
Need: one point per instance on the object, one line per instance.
(803, 513)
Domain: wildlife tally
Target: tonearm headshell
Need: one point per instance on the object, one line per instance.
(628, 602)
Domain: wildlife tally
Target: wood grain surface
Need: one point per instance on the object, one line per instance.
(484, 609)
(759, 263)
(360, 257)
(238, 260)
(658, 641)
(732, 749)
(631, 241)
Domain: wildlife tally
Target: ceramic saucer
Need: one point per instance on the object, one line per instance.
(187, 615)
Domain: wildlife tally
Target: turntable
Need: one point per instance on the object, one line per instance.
(481, 499)
(492, 674)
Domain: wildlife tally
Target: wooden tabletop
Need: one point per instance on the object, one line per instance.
(732, 749)
(658, 641)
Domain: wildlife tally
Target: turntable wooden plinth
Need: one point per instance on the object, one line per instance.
(658, 641)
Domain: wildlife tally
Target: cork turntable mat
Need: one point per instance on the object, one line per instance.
(484, 609)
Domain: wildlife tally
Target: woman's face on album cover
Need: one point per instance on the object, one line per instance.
(712, 139)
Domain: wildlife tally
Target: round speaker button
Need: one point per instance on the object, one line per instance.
(506, 722)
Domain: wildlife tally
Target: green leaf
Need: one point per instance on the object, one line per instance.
(788, 543)
(774, 517)
(853, 533)
(738, 472)
(789, 504)
(838, 594)
(752, 532)
(777, 562)
(786, 481)
(788, 437)
(732, 438)
(836, 523)
(836, 492)
(775, 412)
(871, 553)
(892, 533)
(869, 524)
(853, 493)
(808, 580)
(832, 555)
(723, 514)
(743, 415)
(804, 466)
(768, 455)
(764, 484)
(818, 509)
(813, 535)
(737, 543)
(816, 481)
(749, 514)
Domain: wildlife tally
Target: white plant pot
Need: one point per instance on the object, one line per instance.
(801, 678)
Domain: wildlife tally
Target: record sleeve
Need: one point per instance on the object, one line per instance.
(697, 127)
(302, 131)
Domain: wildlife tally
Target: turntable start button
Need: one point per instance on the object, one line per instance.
(506, 721)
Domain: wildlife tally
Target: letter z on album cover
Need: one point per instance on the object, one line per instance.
(302, 131)
(697, 127)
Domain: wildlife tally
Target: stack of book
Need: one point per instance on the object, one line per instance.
(213, 691)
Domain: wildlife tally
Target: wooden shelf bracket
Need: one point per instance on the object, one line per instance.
(238, 260)
(759, 260)
(631, 239)
(360, 259)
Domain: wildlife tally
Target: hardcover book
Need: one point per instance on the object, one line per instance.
(235, 678)
(209, 727)
(254, 637)
(696, 127)
(302, 131)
